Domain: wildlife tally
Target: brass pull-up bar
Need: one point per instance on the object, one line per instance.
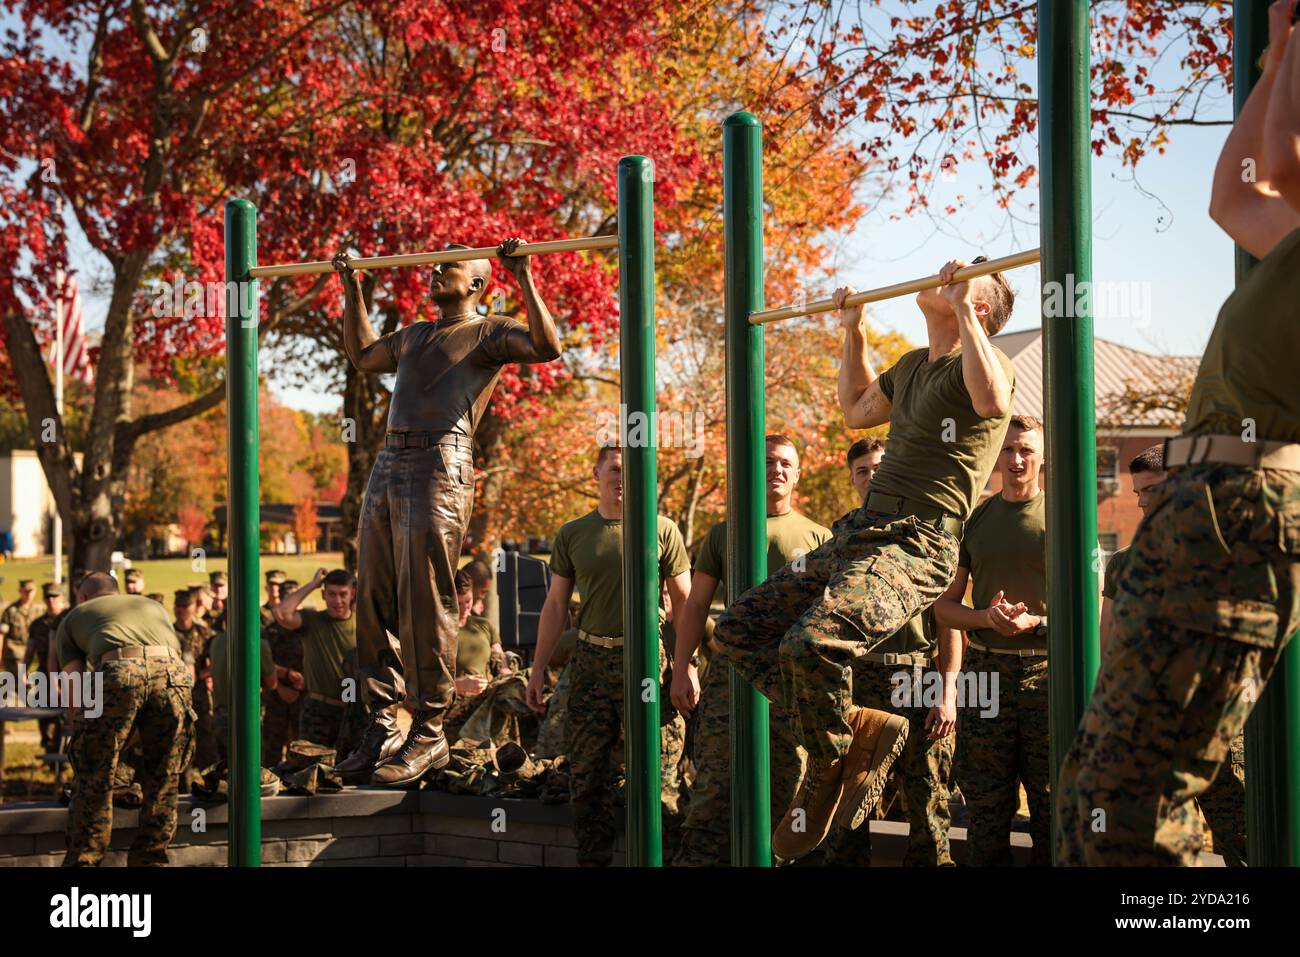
(898, 289)
(441, 256)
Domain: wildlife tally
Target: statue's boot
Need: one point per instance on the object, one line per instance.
(381, 741)
(425, 750)
(878, 740)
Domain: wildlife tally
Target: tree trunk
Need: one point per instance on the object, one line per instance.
(365, 411)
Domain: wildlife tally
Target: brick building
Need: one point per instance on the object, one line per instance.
(1117, 369)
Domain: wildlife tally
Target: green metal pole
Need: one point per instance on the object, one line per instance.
(636, 294)
(742, 192)
(1273, 729)
(1066, 241)
(243, 620)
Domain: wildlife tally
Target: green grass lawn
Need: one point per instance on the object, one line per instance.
(166, 575)
(26, 778)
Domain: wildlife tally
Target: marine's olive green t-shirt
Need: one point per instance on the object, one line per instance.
(218, 651)
(788, 537)
(325, 642)
(474, 648)
(113, 621)
(589, 551)
(1005, 550)
(1248, 370)
(1114, 568)
(941, 451)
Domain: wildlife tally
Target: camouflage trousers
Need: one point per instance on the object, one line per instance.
(550, 736)
(280, 721)
(1205, 605)
(322, 723)
(706, 832)
(794, 636)
(920, 774)
(1224, 807)
(997, 753)
(593, 736)
(151, 696)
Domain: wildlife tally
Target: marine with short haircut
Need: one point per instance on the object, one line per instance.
(281, 707)
(40, 653)
(923, 770)
(411, 529)
(194, 635)
(1004, 554)
(327, 637)
(146, 689)
(1210, 590)
(706, 832)
(795, 636)
(15, 623)
(588, 553)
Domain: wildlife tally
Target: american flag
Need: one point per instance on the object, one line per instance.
(67, 310)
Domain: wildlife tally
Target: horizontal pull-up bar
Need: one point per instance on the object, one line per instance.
(898, 289)
(441, 256)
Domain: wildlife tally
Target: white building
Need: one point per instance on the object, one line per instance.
(26, 503)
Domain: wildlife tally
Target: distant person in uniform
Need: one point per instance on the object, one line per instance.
(220, 586)
(327, 637)
(135, 581)
(146, 690)
(219, 651)
(282, 707)
(706, 832)
(588, 554)
(864, 458)
(1004, 553)
(40, 653)
(194, 635)
(14, 626)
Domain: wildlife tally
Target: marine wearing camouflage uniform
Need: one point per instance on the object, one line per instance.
(149, 695)
(1005, 550)
(706, 832)
(923, 769)
(1224, 803)
(280, 717)
(1208, 598)
(15, 624)
(795, 636)
(588, 551)
(194, 649)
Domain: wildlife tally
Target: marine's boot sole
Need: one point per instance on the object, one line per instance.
(857, 803)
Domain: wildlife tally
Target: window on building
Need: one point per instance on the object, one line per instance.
(1107, 463)
(1109, 542)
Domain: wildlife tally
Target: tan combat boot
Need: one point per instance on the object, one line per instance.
(878, 739)
(809, 818)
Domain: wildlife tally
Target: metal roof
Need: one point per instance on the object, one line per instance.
(1114, 367)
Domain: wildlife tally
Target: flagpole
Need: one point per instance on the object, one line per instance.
(60, 279)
